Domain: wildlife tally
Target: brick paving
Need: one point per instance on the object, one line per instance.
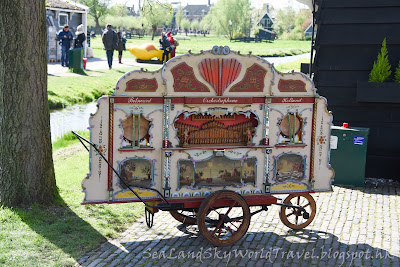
(353, 227)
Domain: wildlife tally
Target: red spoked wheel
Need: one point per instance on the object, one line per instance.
(223, 218)
(295, 218)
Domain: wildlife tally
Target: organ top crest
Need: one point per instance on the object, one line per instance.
(213, 74)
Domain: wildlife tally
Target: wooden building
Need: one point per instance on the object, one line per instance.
(266, 21)
(196, 12)
(59, 13)
(348, 40)
(308, 31)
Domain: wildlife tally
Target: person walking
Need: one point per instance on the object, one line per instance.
(80, 37)
(172, 42)
(121, 46)
(110, 42)
(65, 36)
(166, 46)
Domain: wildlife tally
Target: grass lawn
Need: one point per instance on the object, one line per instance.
(275, 48)
(295, 65)
(68, 90)
(59, 235)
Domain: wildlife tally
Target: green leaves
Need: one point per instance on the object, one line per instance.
(231, 17)
(381, 70)
(397, 74)
(157, 13)
(288, 23)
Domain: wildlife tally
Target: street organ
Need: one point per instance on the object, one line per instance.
(207, 136)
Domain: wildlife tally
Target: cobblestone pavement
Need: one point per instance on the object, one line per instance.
(353, 227)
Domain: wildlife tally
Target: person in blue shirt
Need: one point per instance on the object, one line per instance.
(65, 37)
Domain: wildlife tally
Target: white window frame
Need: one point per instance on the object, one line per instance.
(59, 16)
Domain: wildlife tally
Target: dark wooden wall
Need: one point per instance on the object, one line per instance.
(349, 38)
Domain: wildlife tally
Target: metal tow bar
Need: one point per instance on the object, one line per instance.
(162, 206)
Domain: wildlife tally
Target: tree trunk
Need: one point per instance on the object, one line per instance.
(26, 163)
(97, 26)
(154, 28)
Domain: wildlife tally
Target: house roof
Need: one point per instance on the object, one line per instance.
(308, 28)
(266, 14)
(272, 32)
(309, 3)
(63, 4)
(197, 9)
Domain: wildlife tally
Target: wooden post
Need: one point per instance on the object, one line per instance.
(133, 131)
(138, 136)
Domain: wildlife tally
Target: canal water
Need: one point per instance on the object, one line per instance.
(76, 118)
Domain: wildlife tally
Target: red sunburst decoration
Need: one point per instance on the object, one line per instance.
(220, 73)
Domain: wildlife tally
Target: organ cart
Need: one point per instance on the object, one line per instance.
(208, 136)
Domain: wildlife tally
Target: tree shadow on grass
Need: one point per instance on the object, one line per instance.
(62, 227)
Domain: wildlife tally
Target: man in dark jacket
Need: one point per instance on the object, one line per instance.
(110, 42)
(65, 37)
(166, 46)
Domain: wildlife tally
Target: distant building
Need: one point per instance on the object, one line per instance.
(308, 31)
(196, 12)
(131, 11)
(266, 21)
(266, 34)
(59, 13)
(175, 5)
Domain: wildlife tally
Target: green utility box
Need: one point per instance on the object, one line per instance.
(76, 59)
(348, 154)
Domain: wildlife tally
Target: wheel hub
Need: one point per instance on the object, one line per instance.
(224, 218)
(306, 215)
(290, 213)
(216, 228)
(297, 212)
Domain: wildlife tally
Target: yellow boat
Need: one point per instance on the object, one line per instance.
(146, 52)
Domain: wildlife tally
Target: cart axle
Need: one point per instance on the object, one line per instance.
(226, 219)
(301, 209)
